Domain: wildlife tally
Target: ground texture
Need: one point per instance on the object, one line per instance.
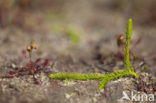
(95, 52)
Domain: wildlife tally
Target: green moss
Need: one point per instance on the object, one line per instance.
(104, 78)
(74, 37)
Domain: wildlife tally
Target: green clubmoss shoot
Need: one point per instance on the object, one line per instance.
(104, 78)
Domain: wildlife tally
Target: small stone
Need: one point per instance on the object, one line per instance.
(67, 95)
(13, 66)
(94, 100)
(68, 83)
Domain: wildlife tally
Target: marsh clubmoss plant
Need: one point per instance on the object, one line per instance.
(104, 78)
(126, 52)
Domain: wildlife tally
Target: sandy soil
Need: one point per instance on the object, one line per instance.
(97, 28)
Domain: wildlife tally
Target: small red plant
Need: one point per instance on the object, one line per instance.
(24, 53)
(31, 67)
(119, 55)
(45, 63)
(121, 43)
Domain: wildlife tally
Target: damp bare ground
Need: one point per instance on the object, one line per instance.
(95, 51)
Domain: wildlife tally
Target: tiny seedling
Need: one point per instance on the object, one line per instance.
(104, 78)
(32, 66)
